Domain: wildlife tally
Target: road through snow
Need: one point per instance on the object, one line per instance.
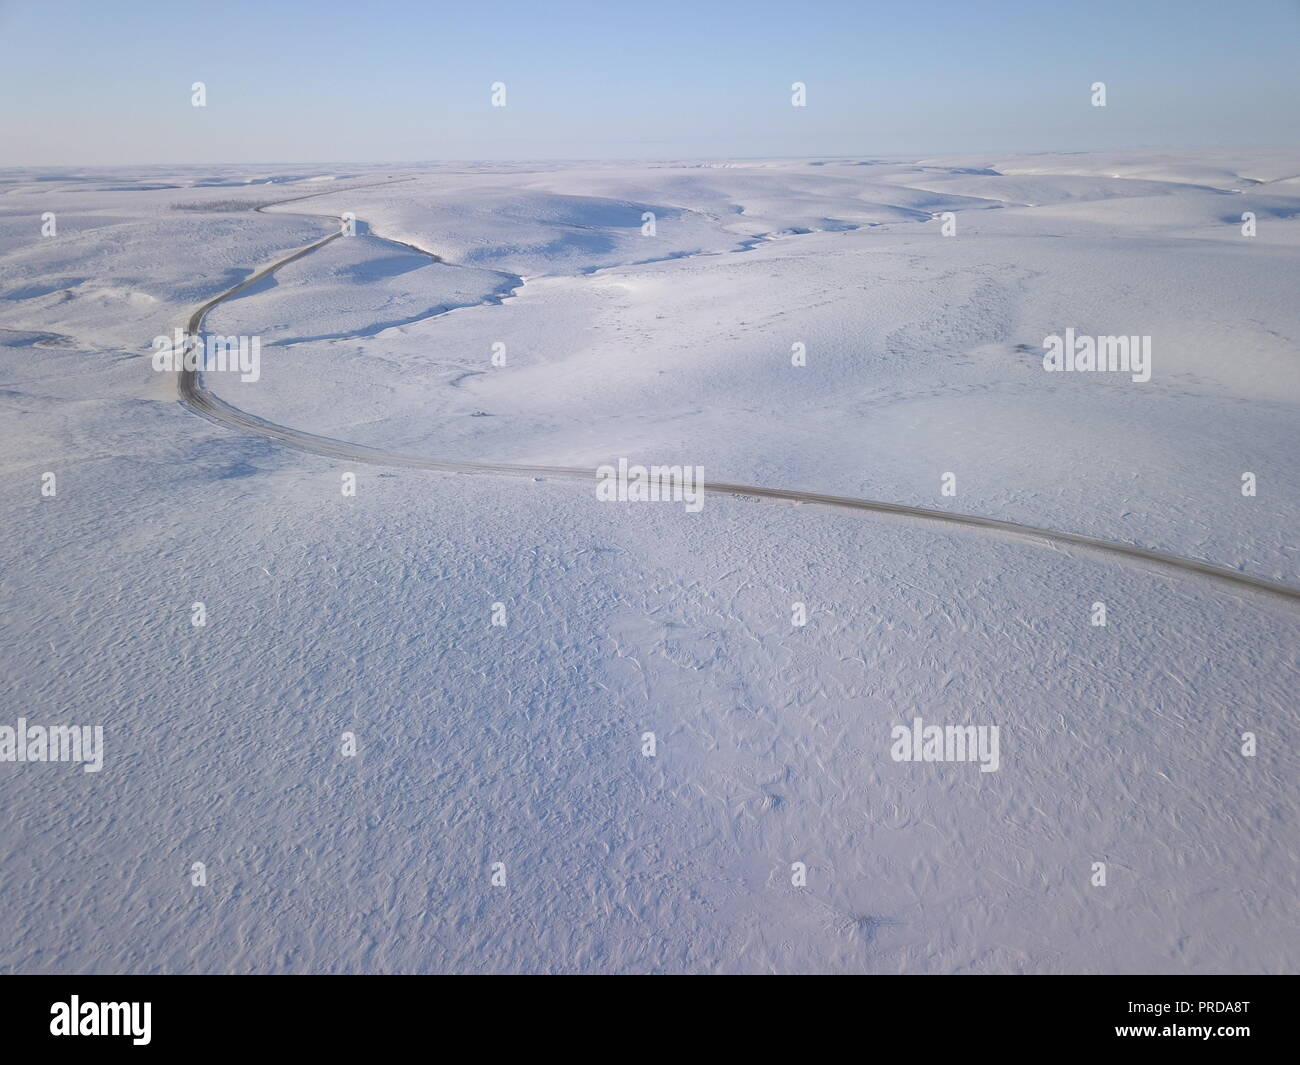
(198, 399)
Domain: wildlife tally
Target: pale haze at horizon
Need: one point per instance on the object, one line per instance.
(91, 84)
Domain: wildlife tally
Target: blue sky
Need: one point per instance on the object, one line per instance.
(88, 83)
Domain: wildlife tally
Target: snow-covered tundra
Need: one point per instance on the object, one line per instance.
(359, 715)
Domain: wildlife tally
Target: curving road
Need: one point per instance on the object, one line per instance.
(201, 401)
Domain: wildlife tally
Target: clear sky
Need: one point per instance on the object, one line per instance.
(90, 82)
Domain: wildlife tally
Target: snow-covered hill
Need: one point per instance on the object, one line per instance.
(772, 828)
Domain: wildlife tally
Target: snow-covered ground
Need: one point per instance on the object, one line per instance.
(523, 743)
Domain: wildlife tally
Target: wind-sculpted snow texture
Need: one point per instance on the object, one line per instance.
(501, 813)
